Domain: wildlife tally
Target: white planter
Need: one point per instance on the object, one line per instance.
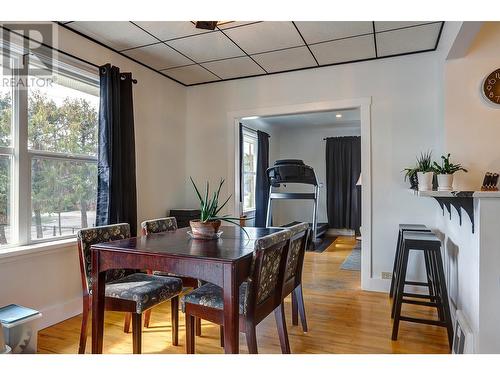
(425, 180)
(445, 182)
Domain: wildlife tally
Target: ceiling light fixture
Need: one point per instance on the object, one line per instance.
(338, 115)
(250, 118)
(209, 25)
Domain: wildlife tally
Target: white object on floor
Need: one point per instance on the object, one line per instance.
(22, 334)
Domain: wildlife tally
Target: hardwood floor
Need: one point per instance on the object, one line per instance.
(341, 317)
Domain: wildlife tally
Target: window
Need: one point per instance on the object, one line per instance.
(48, 153)
(249, 169)
(6, 153)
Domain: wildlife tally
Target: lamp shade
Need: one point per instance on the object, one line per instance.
(359, 181)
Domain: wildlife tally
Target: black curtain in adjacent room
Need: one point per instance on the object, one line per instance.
(343, 197)
(261, 184)
(241, 164)
(116, 183)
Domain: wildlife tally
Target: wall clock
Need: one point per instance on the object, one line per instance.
(491, 87)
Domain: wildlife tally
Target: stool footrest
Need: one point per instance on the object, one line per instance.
(415, 295)
(421, 303)
(423, 321)
(418, 283)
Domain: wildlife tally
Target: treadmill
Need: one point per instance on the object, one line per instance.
(295, 171)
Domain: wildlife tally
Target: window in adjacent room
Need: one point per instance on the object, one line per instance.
(249, 169)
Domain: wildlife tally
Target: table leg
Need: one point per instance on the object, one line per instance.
(98, 303)
(231, 310)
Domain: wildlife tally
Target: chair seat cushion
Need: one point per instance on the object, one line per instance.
(211, 295)
(145, 290)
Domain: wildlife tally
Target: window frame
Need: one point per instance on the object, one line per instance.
(22, 156)
(252, 134)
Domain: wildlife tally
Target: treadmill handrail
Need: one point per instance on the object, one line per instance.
(292, 196)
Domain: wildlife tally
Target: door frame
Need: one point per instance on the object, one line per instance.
(364, 105)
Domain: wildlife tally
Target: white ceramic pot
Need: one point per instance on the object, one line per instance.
(445, 182)
(425, 180)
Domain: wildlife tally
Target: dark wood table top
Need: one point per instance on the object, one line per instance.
(233, 244)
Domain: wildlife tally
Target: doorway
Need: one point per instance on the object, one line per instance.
(262, 119)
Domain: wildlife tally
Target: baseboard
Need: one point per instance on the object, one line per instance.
(376, 285)
(57, 313)
(334, 232)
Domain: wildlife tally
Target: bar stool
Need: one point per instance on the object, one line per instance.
(397, 258)
(430, 244)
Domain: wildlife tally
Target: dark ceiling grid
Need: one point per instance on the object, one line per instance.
(163, 72)
(374, 39)
(305, 43)
(116, 51)
(439, 36)
(168, 45)
(242, 50)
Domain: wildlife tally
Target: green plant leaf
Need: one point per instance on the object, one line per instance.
(197, 191)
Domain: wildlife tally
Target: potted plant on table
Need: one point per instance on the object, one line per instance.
(207, 226)
(422, 174)
(445, 173)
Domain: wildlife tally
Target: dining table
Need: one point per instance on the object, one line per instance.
(225, 262)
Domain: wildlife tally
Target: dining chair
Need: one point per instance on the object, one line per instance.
(165, 224)
(259, 296)
(292, 283)
(126, 290)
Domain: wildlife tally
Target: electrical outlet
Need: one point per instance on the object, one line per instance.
(387, 275)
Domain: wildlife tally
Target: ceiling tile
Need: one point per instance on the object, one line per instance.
(390, 25)
(206, 47)
(321, 31)
(235, 24)
(237, 67)
(119, 35)
(191, 74)
(344, 50)
(287, 59)
(413, 39)
(158, 56)
(165, 30)
(265, 36)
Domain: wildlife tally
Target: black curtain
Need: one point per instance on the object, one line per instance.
(116, 184)
(241, 164)
(343, 197)
(261, 182)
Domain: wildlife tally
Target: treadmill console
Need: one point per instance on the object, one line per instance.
(291, 171)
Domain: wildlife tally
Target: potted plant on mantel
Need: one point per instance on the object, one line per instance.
(207, 226)
(422, 173)
(445, 173)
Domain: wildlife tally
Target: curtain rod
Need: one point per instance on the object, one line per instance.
(247, 128)
(342, 136)
(56, 49)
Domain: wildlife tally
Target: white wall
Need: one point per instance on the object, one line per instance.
(472, 130)
(50, 282)
(306, 143)
(472, 127)
(472, 264)
(406, 118)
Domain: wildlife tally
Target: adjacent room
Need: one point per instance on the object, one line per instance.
(274, 187)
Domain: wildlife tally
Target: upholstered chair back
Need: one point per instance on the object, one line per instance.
(164, 224)
(298, 243)
(268, 269)
(92, 236)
